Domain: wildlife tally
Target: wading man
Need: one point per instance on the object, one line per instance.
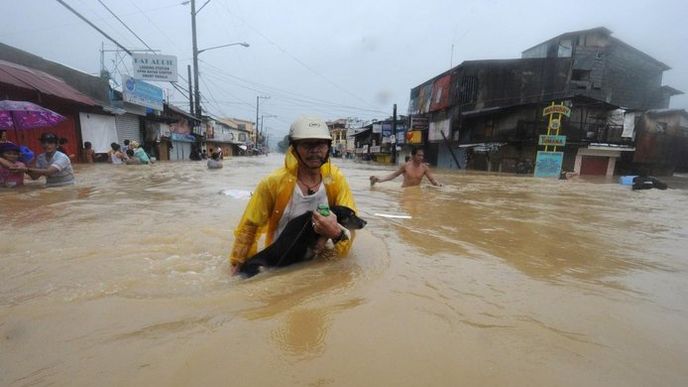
(307, 180)
(52, 164)
(413, 171)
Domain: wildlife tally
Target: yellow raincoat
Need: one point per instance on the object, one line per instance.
(264, 210)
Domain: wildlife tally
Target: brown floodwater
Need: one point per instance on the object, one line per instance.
(494, 280)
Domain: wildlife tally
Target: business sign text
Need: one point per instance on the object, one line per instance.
(149, 67)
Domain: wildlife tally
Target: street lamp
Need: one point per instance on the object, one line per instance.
(196, 51)
(244, 44)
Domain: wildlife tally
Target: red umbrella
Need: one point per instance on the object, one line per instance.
(19, 115)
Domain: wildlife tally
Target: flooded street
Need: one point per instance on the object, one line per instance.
(122, 280)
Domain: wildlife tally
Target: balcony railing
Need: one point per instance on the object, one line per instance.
(529, 132)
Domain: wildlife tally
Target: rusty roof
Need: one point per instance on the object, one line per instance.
(31, 79)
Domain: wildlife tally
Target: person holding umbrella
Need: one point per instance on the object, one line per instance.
(11, 169)
(52, 164)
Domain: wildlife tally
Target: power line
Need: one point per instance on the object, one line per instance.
(212, 97)
(183, 91)
(288, 95)
(323, 107)
(93, 25)
(299, 61)
(154, 25)
(125, 25)
(161, 32)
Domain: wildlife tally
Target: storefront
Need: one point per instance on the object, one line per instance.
(22, 83)
(182, 145)
(98, 129)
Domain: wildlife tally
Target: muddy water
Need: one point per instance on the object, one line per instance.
(122, 280)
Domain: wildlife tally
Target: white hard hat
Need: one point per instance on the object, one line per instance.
(306, 127)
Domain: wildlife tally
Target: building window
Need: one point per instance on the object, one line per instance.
(580, 75)
(468, 90)
(661, 127)
(242, 137)
(565, 49)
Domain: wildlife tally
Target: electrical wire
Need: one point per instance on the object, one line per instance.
(272, 90)
(296, 59)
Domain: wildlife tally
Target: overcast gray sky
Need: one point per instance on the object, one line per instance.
(335, 59)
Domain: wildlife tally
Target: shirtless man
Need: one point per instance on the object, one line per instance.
(413, 171)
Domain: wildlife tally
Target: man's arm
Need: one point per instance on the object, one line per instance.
(6, 163)
(255, 216)
(431, 177)
(375, 179)
(35, 173)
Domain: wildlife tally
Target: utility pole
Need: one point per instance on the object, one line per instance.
(197, 101)
(255, 130)
(191, 99)
(258, 97)
(394, 134)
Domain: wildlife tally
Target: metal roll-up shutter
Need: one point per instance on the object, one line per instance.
(128, 127)
(180, 150)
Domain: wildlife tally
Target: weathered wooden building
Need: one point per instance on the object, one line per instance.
(490, 111)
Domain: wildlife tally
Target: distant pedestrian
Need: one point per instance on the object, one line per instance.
(117, 157)
(61, 145)
(204, 155)
(127, 145)
(62, 148)
(131, 159)
(139, 153)
(52, 164)
(3, 136)
(214, 162)
(413, 171)
(89, 153)
(195, 155)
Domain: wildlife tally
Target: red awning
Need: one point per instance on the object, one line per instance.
(27, 78)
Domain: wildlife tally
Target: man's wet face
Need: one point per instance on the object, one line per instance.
(49, 146)
(313, 152)
(418, 157)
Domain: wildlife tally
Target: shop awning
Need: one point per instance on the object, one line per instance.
(30, 79)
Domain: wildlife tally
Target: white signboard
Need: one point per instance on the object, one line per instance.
(436, 129)
(149, 67)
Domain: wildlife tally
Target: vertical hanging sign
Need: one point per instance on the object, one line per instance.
(548, 163)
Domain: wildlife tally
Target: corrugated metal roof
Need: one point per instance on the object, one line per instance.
(182, 112)
(27, 78)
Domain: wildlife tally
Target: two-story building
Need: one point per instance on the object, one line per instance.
(230, 135)
(490, 112)
(338, 132)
